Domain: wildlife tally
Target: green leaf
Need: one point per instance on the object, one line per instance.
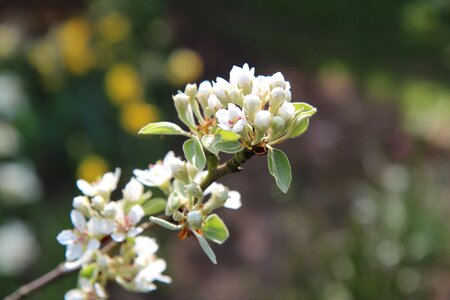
(280, 168)
(215, 229)
(193, 151)
(229, 135)
(304, 107)
(165, 224)
(210, 141)
(300, 127)
(159, 128)
(154, 206)
(229, 146)
(205, 246)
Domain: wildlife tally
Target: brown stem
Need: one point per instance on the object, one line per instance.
(231, 166)
(39, 282)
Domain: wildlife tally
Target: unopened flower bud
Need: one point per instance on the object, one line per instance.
(81, 203)
(195, 219)
(173, 202)
(262, 120)
(98, 202)
(204, 90)
(110, 210)
(214, 103)
(191, 89)
(287, 111)
(175, 164)
(181, 101)
(276, 98)
(277, 126)
(236, 96)
(251, 106)
(277, 80)
(218, 199)
(194, 190)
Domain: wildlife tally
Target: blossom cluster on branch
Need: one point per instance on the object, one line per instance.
(243, 116)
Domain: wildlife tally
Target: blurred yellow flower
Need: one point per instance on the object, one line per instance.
(184, 66)
(44, 56)
(113, 27)
(136, 115)
(123, 84)
(92, 167)
(73, 37)
(10, 38)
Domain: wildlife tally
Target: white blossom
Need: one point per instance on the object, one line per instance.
(204, 90)
(103, 186)
(221, 89)
(158, 174)
(133, 191)
(262, 120)
(231, 119)
(87, 291)
(242, 77)
(214, 103)
(145, 249)
(143, 282)
(287, 111)
(125, 224)
(78, 241)
(234, 197)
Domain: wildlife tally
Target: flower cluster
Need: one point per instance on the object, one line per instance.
(97, 221)
(257, 108)
(244, 116)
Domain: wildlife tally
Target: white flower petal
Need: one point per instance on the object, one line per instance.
(66, 237)
(118, 236)
(135, 231)
(78, 220)
(86, 188)
(93, 245)
(234, 200)
(74, 251)
(135, 214)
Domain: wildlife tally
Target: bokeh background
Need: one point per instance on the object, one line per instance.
(367, 216)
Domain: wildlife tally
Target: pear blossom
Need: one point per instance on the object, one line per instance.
(78, 241)
(125, 224)
(204, 90)
(103, 187)
(221, 89)
(143, 282)
(242, 77)
(287, 111)
(87, 291)
(231, 119)
(262, 120)
(157, 174)
(133, 190)
(234, 197)
(145, 249)
(214, 103)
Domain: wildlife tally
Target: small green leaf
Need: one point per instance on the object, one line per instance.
(229, 146)
(193, 151)
(300, 127)
(154, 206)
(205, 246)
(210, 141)
(280, 168)
(89, 271)
(165, 224)
(229, 135)
(215, 229)
(304, 107)
(159, 128)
